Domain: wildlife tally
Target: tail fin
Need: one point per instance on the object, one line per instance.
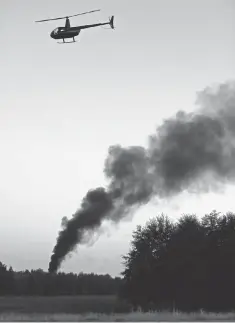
(111, 22)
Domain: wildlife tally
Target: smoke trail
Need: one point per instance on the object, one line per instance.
(186, 150)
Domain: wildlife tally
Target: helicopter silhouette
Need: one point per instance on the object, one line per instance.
(71, 32)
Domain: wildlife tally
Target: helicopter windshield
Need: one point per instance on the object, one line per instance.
(56, 31)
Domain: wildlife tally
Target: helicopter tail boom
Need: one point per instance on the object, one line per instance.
(94, 25)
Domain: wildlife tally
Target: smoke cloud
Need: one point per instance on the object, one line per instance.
(188, 150)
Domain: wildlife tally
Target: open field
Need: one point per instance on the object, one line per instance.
(90, 308)
(63, 304)
(129, 317)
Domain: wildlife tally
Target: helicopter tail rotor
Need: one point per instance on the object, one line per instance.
(111, 22)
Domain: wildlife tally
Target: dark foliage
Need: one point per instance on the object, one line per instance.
(187, 265)
(40, 283)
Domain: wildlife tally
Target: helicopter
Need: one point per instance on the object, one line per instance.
(71, 32)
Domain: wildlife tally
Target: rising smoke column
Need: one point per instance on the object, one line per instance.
(186, 150)
(93, 209)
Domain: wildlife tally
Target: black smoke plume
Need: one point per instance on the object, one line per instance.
(190, 150)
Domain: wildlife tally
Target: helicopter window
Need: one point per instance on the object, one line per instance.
(56, 30)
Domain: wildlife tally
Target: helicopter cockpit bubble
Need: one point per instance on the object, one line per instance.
(55, 31)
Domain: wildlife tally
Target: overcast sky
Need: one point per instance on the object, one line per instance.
(62, 106)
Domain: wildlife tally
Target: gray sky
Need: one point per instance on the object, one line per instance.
(62, 106)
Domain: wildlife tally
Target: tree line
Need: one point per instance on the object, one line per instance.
(185, 265)
(41, 283)
(188, 264)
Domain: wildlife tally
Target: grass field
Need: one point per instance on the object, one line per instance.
(129, 317)
(90, 308)
(63, 304)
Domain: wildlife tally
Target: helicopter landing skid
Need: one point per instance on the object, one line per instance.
(67, 42)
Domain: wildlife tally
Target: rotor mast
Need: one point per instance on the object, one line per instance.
(67, 23)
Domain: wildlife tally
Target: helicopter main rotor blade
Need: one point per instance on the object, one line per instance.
(78, 14)
(83, 13)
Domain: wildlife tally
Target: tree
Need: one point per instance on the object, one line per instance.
(7, 283)
(189, 264)
(143, 264)
(40, 283)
